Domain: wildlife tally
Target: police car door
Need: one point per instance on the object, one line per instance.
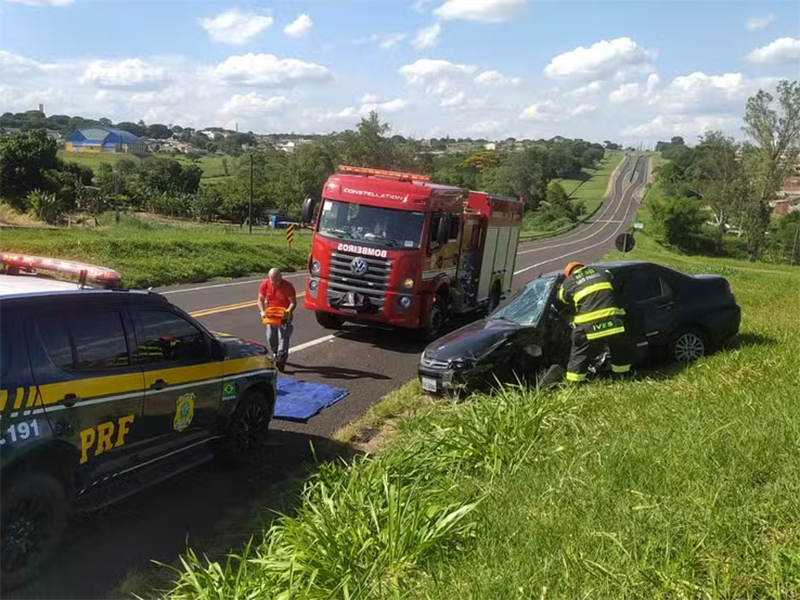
(183, 382)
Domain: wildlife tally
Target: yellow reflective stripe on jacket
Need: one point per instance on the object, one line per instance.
(576, 377)
(587, 291)
(599, 314)
(606, 333)
(561, 294)
(620, 368)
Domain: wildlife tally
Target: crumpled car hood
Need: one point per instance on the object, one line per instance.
(472, 341)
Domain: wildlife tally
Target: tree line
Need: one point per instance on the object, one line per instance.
(723, 185)
(281, 181)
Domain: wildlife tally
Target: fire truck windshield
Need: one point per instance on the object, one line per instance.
(371, 224)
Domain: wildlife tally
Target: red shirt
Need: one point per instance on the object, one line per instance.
(282, 295)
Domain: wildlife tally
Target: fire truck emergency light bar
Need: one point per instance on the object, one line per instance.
(84, 271)
(382, 173)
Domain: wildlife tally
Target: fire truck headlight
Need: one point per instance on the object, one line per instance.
(408, 283)
(316, 268)
(405, 301)
(313, 286)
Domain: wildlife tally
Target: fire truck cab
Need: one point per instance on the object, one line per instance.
(395, 249)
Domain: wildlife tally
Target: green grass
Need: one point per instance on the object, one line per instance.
(148, 253)
(212, 166)
(678, 486)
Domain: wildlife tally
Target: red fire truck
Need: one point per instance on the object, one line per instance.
(395, 249)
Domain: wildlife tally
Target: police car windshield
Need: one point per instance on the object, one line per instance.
(528, 304)
(371, 224)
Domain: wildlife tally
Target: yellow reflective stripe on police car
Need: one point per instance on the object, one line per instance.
(597, 287)
(599, 314)
(606, 333)
(237, 366)
(94, 387)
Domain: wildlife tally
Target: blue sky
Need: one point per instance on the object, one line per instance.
(632, 71)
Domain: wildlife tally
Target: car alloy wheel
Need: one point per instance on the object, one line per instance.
(688, 347)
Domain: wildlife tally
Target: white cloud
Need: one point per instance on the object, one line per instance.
(497, 79)
(428, 37)
(43, 2)
(132, 73)
(389, 40)
(254, 104)
(483, 11)
(784, 50)
(553, 112)
(368, 103)
(235, 26)
(456, 100)
(699, 93)
(667, 126)
(267, 70)
(15, 64)
(587, 90)
(603, 60)
(627, 92)
(300, 27)
(760, 23)
(488, 127)
(427, 69)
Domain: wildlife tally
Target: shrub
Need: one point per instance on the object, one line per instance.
(46, 206)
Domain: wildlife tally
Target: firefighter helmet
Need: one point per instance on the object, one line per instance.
(571, 267)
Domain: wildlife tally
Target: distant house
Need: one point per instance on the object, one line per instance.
(105, 139)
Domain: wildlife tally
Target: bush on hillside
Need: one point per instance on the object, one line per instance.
(677, 222)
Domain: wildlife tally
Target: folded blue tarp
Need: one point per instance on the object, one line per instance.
(301, 400)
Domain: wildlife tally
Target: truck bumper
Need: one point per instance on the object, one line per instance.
(388, 308)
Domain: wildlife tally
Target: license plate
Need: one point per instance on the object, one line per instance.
(428, 384)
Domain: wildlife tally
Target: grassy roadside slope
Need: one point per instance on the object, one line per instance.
(681, 485)
(153, 254)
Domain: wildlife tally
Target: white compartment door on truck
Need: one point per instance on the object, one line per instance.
(487, 263)
(511, 259)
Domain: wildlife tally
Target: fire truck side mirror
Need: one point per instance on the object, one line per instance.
(307, 212)
(443, 235)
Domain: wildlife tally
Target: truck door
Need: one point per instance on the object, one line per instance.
(469, 261)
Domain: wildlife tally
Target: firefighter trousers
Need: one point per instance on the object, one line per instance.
(584, 351)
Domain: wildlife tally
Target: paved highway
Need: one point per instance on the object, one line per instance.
(209, 505)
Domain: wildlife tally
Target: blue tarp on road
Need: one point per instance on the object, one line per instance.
(301, 400)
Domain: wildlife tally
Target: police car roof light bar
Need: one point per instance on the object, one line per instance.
(100, 275)
(382, 173)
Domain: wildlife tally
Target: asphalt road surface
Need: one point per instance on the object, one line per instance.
(209, 506)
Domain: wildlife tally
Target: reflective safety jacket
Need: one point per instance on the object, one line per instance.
(591, 293)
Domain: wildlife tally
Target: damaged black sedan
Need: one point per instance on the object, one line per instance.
(671, 317)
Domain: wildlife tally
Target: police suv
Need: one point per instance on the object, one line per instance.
(106, 391)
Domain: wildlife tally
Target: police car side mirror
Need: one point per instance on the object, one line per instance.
(307, 212)
(217, 350)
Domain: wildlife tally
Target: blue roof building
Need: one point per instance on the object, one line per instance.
(104, 139)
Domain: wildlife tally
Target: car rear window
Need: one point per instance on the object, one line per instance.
(85, 342)
(640, 286)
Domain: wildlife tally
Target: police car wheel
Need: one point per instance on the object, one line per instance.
(34, 515)
(247, 431)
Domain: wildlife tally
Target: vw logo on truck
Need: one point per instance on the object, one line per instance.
(359, 266)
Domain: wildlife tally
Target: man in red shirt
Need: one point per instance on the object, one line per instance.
(276, 291)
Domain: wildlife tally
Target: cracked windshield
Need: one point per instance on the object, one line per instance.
(392, 299)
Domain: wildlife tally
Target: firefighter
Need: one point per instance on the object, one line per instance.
(598, 321)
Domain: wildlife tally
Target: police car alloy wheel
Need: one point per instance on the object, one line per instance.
(34, 515)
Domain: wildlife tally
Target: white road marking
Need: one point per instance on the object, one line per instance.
(230, 284)
(322, 340)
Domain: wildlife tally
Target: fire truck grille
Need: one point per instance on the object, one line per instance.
(347, 277)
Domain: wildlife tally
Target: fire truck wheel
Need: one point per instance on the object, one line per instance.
(437, 319)
(328, 321)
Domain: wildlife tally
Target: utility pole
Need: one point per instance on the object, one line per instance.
(250, 208)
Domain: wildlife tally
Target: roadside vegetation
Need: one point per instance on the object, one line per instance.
(678, 484)
(150, 252)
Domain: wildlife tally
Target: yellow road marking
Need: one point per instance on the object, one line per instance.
(219, 309)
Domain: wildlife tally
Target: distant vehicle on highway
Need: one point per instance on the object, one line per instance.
(105, 391)
(672, 317)
(395, 249)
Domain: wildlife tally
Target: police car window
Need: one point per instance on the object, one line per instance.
(169, 337)
(85, 342)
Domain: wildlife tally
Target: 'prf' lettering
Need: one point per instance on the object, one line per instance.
(101, 439)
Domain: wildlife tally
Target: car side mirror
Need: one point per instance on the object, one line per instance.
(307, 212)
(217, 349)
(443, 235)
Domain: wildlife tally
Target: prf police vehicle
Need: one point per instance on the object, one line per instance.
(106, 391)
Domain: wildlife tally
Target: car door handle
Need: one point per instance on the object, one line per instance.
(158, 384)
(69, 400)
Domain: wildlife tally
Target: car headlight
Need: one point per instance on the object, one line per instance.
(316, 268)
(408, 283)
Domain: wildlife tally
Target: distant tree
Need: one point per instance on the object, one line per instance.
(25, 158)
(105, 122)
(677, 141)
(134, 128)
(158, 131)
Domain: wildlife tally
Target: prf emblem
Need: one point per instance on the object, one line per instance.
(184, 412)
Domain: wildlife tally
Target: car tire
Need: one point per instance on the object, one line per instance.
(246, 433)
(687, 346)
(328, 321)
(34, 515)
